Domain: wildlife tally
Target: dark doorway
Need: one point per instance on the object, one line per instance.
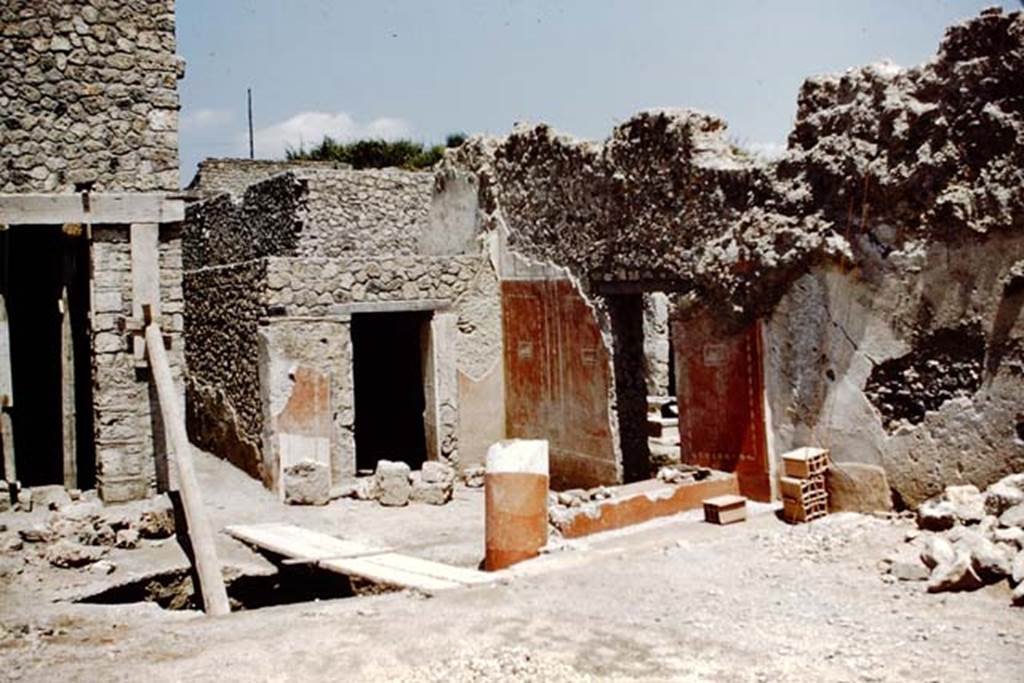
(387, 357)
(44, 274)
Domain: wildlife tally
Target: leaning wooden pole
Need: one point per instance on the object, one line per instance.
(211, 582)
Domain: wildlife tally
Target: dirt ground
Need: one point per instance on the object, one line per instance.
(673, 599)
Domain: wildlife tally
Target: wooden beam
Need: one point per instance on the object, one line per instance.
(67, 376)
(6, 396)
(204, 553)
(92, 208)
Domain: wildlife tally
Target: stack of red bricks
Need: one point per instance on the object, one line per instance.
(804, 497)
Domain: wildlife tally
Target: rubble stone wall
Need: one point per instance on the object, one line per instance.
(234, 176)
(367, 211)
(224, 307)
(88, 98)
(266, 221)
(88, 94)
(300, 286)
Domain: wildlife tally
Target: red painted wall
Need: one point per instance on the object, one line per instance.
(557, 379)
(720, 387)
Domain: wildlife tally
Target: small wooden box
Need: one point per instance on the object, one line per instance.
(804, 463)
(725, 509)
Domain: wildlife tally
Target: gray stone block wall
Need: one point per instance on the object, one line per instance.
(88, 93)
(314, 213)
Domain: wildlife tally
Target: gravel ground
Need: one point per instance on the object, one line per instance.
(671, 600)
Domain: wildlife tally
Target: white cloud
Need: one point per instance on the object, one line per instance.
(308, 128)
(206, 118)
(767, 150)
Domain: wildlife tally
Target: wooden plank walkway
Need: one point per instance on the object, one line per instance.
(355, 559)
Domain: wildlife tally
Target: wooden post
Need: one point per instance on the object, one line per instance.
(6, 396)
(211, 581)
(67, 376)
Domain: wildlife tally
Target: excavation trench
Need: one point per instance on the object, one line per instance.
(290, 584)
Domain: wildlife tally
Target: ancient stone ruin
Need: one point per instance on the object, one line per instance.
(363, 381)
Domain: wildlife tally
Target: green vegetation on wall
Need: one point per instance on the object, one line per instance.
(404, 154)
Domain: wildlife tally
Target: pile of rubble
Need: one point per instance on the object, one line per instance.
(967, 539)
(682, 474)
(78, 531)
(394, 484)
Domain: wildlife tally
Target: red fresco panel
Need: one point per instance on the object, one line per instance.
(721, 403)
(557, 379)
(527, 370)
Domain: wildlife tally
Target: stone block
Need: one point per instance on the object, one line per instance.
(857, 487)
(968, 503)
(157, 518)
(1003, 495)
(108, 302)
(474, 476)
(1013, 517)
(307, 483)
(958, 575)
(936, 515)
(68, 554)
(431, 492)
(435, 472)
(51, 497)
(391, 484)
(937, 551)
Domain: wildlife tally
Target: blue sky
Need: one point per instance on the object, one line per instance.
(424, 68)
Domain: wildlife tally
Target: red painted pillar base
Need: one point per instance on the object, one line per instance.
(516, 501)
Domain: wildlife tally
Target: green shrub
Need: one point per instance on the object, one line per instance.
(404, 154)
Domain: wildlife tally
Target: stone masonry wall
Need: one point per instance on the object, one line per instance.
(224, 414)
(128, 431)
(227, 303)
(88, 98)
(265, 222)
(234, 176)
(368, 211)
(88, 93)
(315, 286)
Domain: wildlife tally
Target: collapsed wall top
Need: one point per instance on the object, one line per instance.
(935, 152)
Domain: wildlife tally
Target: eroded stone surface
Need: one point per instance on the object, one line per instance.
(857, 487)
(391, 483)
(307, 483)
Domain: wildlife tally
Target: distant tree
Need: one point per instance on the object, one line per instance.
(404, 154)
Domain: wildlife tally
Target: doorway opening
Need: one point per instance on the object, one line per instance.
(387, 358)
(44, 275)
